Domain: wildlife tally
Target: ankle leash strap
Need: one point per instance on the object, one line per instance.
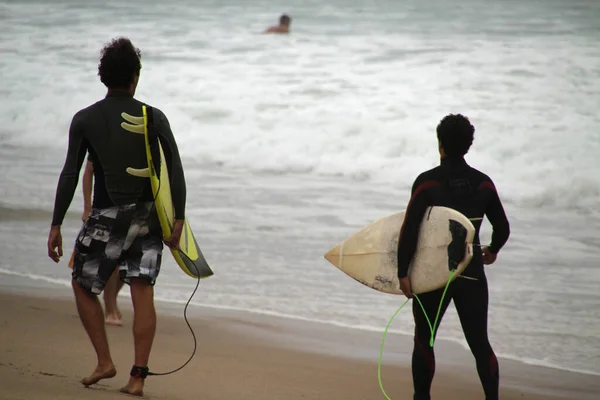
(139, 372)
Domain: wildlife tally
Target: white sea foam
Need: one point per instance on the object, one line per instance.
(363, 105)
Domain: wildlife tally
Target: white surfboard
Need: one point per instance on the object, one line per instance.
(371, 255)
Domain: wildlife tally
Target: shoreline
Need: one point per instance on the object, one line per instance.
(314, 342)
(175, 308)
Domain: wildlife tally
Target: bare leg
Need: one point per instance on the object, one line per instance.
(144, 327)
(111, 291)
(90, 313)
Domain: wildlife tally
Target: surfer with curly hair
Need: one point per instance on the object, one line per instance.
(122, 230)
(456, 185)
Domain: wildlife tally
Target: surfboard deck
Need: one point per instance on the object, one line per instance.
(370, 255)
(194, 264)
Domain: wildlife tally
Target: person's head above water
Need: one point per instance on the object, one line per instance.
(120, 65)
(283, 27)
(455, 135)
(285, 20)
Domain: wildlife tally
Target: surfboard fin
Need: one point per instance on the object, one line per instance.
(132, 120)
(136, 125)
(139, 172)
(133, 128)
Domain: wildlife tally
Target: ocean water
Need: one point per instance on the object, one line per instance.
(291, 143)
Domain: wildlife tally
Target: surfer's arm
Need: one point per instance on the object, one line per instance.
(409, 233)
(67, 182)
(497, 217)
(176, 176)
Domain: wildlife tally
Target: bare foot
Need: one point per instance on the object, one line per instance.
(113, 319)
(99, 374)
(135, 387)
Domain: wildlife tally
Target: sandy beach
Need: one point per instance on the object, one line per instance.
(44, 351)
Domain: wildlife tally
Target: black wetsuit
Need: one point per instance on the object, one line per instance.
(112, 150)
(456, 185)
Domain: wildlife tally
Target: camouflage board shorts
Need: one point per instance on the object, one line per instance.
(125, 237)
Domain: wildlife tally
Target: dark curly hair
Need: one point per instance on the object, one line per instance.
(455, 134)
(285, 19)
(119, 63)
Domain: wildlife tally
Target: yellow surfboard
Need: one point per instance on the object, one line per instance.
(188, 256)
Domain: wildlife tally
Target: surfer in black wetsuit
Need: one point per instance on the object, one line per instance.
(456, 185)
(122, 230)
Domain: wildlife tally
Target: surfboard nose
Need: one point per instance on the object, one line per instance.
(333, 255)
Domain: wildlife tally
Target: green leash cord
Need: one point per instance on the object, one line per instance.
(432, 328)
(439, 308)
(381, 349)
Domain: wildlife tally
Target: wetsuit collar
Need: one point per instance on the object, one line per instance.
(118, 93)
(453, 161)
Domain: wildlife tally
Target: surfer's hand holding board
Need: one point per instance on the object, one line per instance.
(405, 287)
(173, 240)
(487, 256)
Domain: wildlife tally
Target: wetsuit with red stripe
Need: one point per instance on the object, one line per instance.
(456, 185)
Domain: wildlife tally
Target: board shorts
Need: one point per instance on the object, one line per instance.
(125, 237)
